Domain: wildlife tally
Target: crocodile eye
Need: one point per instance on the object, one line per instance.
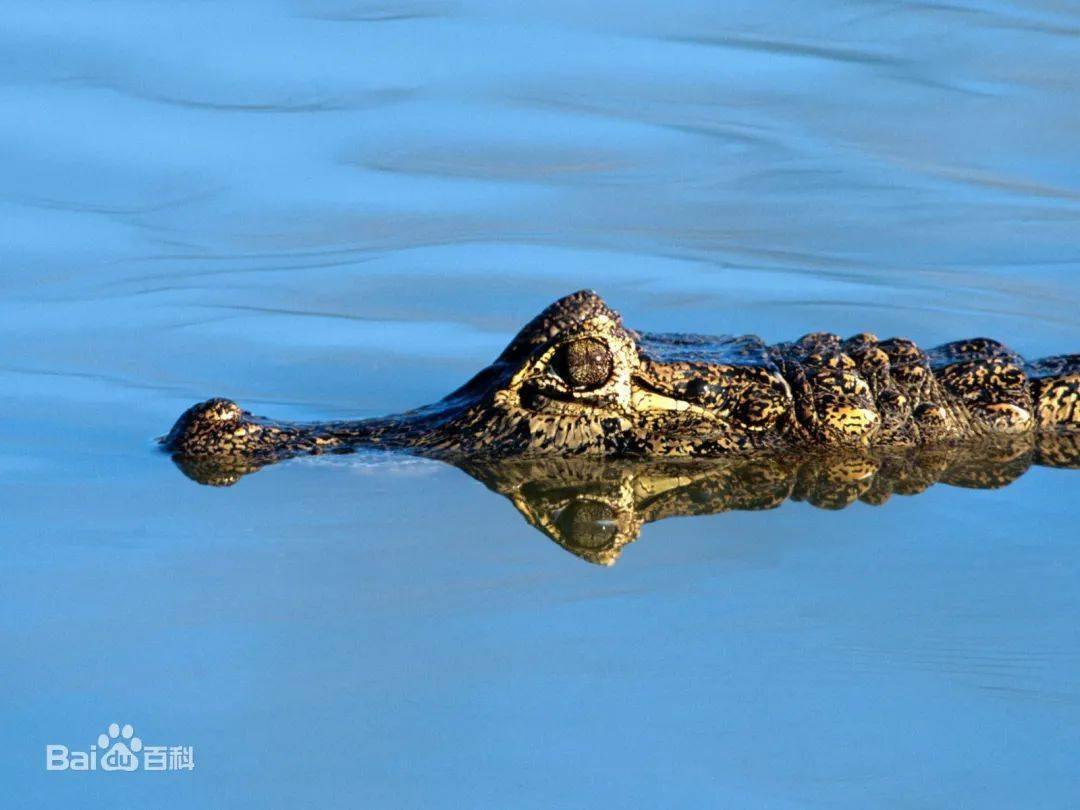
(585, 363)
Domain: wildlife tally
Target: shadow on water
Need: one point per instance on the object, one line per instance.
(594, 508)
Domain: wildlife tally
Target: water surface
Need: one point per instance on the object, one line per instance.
(335, 209)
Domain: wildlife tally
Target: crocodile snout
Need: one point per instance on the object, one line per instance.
(210, 426)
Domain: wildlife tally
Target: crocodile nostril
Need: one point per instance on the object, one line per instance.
(222, 410)
(202, 425)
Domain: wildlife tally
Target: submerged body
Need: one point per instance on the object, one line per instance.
(575, 381)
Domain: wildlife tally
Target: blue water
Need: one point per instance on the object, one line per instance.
(328, 209)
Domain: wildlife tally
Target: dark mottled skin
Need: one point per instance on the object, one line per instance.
(576, 382)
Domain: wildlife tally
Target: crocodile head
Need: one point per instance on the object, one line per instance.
(574, 381)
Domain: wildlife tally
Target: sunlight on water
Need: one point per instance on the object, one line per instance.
(332, 209)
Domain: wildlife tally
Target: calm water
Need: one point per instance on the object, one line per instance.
(339, 208)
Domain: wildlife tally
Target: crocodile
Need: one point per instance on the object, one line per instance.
(576, 382)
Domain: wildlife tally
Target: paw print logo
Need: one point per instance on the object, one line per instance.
(121, 756)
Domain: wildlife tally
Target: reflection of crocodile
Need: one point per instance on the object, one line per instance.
(575, 381)
(594, 507)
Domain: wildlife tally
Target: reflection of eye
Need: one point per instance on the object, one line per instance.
(585, 363)
(587, 524)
